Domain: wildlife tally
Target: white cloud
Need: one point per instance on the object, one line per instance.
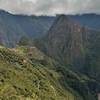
(50, 7)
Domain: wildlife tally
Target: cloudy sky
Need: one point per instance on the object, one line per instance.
(50, 7)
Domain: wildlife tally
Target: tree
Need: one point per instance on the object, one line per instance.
(24, 41)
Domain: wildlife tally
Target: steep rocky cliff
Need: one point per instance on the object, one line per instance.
(72, 44)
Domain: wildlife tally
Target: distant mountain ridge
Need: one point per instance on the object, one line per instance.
(62, 63)
(90, 20)
(13, 27)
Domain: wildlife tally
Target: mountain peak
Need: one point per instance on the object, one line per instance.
(3, 12)
(67, 41)
(64, 27)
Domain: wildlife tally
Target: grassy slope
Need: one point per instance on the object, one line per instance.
(21, 78)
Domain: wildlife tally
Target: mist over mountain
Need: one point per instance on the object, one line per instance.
(50, 7)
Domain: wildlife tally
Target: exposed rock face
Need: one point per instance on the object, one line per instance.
(66, 41)
(76, 48)
(70, 43)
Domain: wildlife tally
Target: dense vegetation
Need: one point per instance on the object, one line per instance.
(25, 76)
(76, 48)
(62, 65)
(21, 78)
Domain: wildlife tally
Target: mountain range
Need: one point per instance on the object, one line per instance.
(49, 58)
(71, 43)
(14, 27)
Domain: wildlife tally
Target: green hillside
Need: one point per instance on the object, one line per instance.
(25, 77)
(21, 78)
